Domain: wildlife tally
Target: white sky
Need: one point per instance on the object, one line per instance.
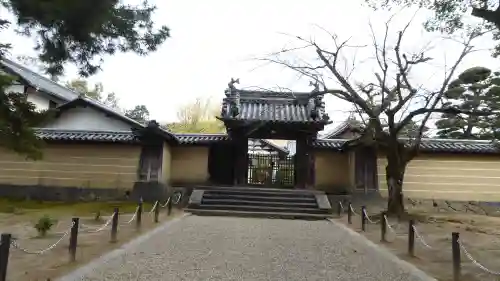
(213, 41)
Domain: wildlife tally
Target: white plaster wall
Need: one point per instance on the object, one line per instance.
(40, 100)
(87, 118)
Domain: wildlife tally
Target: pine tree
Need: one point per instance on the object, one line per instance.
(476, 89)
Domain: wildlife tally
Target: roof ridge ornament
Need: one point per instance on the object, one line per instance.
(231, 88)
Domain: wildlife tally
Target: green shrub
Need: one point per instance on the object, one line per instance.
(44, 224)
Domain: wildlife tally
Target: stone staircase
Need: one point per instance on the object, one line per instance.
(259, 202)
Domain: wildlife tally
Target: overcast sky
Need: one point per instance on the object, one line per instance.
(213, 41)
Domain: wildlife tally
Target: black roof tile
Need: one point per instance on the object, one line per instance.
(283, 107)
(430, 145)
(200, 138)
(86, 136)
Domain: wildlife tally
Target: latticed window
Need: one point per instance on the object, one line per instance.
(150, 163)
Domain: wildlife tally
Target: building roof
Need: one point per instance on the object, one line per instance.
(280, 107)
(429, 145)
(85, 101)
(345, 126)
(37, 81)
(82, 100)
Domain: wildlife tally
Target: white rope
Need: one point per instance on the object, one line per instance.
(469, 256)
(166, 203)
(154, 208)
(368, 218)
(341, 206)
(133, 217)
(41, 252)
(352, 210)
(421, 238)
(91, 229)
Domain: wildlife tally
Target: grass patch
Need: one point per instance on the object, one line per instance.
(77, 209)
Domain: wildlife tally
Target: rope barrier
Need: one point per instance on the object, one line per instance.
(475, 262)
(166, 203)
(353, 212)
(133, 217)
(91, 229)
(421, 238)
(153, 208)
(41, 252)
(368, 218)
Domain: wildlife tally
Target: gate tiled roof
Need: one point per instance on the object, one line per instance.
(280, 107)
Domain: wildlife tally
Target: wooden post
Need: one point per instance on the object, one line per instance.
(411, 238)
(339, 208)
(73, 239)
(363, 218)
(157, 211)
(114, 225)
(383, 227)
(139, 214)
(169, 205)
(4, 255)
(455, 249)
(349, 213)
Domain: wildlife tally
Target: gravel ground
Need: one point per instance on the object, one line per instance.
(227, 248)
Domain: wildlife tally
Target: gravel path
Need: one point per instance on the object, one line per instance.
(227, 248)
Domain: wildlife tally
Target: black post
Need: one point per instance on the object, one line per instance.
(4, 255)
(349, 213)
(73, 239)
(339, 209)
(411, 238)
(383, 227)
(455, 248)
(114, 226)
(139, 214)
(157, 211)
(363, 218)
(169, 206)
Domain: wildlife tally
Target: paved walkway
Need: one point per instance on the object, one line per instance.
(226, 248)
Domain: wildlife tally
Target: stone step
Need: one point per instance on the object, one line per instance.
(271, 215)
(261, 193)
(253, 208)
(290, 204)
(259, 197)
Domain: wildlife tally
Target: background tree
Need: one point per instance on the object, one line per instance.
(478, 90)
(412, 130)
(81, 86)
(389, 103)
(198, 117)
(95, 92)
(78, 32)
(139, 113)
(450, 15)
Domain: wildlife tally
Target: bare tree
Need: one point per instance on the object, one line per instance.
(388, 104)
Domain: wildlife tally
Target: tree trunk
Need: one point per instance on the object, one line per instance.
(394, 177)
